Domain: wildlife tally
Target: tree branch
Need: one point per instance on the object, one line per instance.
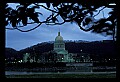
(86, 29)
(99, 11)
(29, 29)
(19, 26)
(47, 8)
(56, 23)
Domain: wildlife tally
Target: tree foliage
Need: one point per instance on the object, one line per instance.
(83, 14)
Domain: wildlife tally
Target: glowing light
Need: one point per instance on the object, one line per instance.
(81, 50)
(112, 4)
(20, 61)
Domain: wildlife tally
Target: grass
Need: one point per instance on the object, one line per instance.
(63, 76)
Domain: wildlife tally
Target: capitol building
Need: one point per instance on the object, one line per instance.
(58, 54)
(59, 48)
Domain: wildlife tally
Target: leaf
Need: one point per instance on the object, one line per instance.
(91, 13)
(87, 20)
(36, 20)
(48, 5)
(24, 20)
(30, 10)
(54, 19)
(13, 23)
(13, 20)
(34, 17)
(18, 21)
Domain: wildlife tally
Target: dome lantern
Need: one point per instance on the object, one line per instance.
(59, 38)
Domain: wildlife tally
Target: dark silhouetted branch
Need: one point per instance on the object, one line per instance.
(99, 11)
(29, 29)
(47, 8)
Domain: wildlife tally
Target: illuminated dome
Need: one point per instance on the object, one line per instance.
(59, 38)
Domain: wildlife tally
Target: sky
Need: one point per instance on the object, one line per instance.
(21, 40)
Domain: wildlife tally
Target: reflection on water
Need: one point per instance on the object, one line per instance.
(63, 70)
(27, 73)
(14, 73)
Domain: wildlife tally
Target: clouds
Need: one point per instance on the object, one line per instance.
(20, 40)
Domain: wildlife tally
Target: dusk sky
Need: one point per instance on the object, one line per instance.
(20, 40)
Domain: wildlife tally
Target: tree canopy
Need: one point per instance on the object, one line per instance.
(83, 14)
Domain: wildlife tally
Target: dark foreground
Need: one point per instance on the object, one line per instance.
(66, 75)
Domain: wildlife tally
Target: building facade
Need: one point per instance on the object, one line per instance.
(59, 48)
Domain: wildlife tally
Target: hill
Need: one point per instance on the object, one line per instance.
(96, 49)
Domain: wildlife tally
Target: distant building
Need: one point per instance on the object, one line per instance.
(58, 54)
(59, 48)
(26, 57)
